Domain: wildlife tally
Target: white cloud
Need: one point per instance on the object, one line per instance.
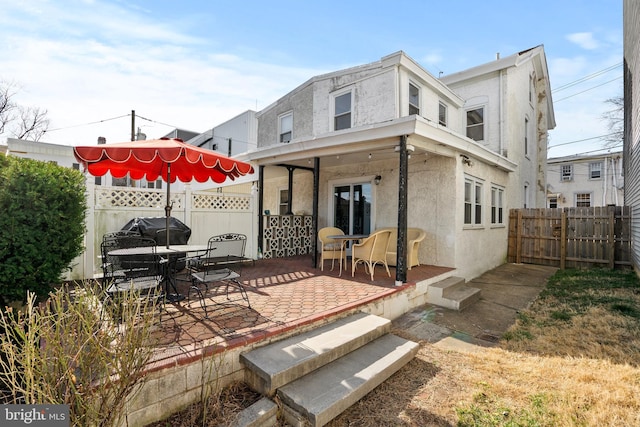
(584, 40)
(95, 69)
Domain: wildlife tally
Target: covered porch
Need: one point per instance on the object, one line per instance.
(404, 173)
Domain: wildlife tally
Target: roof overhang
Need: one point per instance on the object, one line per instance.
(381, 139)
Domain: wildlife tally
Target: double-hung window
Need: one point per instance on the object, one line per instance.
(583, 200)
(472, 202)
(566, 172)
(475, 124)
(442, 113)
(283, 202)
(285, 127)
(595, 170)
(497, 208)
(414, 99)
(342, 111)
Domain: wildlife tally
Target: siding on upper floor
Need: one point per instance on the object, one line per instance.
(631, 20)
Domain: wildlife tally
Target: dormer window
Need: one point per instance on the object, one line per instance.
(414, 99)
(285, 127)
(342, 111)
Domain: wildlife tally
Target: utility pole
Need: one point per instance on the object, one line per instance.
(133, 125)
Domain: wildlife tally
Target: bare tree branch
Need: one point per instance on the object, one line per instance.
(18, 121)
(615, 121)
(33, 123)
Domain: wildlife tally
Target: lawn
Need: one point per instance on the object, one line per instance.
(571, 359)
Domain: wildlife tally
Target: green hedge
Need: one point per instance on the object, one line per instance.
(41, 227)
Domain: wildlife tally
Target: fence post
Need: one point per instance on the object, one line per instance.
(612, 238)
(563, 239)
(519, 238)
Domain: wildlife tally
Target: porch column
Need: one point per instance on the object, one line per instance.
(260, 209)
(290, 195)
(401, 251)
(314, 214)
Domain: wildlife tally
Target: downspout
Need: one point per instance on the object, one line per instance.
(501, 114)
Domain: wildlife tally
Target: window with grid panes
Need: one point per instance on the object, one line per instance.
(583, 200)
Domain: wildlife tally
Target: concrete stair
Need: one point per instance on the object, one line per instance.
(452, 293)
(318, 374)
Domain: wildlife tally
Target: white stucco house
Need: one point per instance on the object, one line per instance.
(387, 143)
(585, 180)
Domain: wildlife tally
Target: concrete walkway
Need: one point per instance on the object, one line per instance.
(506, 290)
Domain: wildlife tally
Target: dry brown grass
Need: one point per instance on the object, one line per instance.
(573, 359)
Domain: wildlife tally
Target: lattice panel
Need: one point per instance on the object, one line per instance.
(220, 202)
(286, 235)
(111, 197)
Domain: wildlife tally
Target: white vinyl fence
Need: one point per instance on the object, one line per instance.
(206, 213)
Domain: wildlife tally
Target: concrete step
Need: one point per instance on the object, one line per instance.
(320, 396)
(463, 297)
(276, 364)
(452, 293)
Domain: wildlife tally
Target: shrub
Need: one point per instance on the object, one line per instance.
(70, 351)
(41, 227)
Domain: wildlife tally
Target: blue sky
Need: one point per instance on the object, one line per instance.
(195, 64)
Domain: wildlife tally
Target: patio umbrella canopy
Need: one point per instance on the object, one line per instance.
(167, 158)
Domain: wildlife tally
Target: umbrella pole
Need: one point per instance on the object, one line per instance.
(167, 209)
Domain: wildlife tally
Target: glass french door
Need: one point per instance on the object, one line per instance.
(352, 206)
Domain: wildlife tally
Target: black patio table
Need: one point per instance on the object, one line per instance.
(163, 250)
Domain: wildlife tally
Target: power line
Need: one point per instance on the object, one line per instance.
(585, 78)
(582, 140)
(87, 124)
(155, 121)
(586, 90)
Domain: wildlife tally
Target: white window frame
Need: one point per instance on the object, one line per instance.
(416, 106)
(473, 211)
(281, 130)
(579, 198)
(334, 97)
(283, 205)
(553, 202)
(595, 167)
(442, 107)
(497, 205)
(566, 175)
(483, 123)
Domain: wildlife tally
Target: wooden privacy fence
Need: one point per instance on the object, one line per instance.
(571, 237)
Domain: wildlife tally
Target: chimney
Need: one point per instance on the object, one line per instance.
(102, 140)
(497, 55)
